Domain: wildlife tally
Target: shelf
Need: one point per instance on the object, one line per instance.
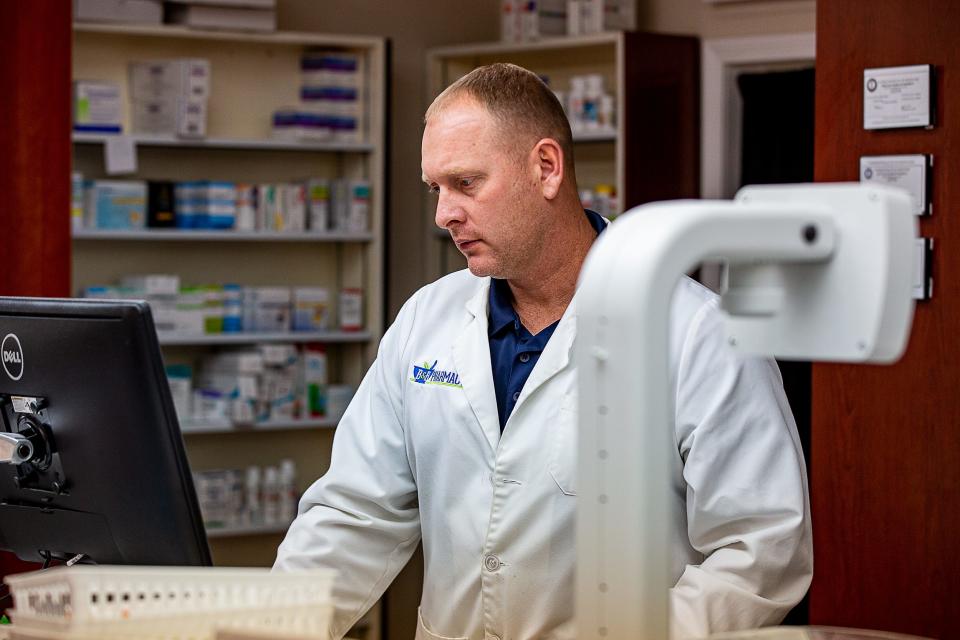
(265, 144)
(188, 427)
(595, 136)
(546, 44)
(291, 38)
(206, 235)
(171, 339)
(253, 530)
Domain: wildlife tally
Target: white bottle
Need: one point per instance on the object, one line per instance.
(605, 114)
(252, 505)
(288, 490)
(271, 496)
(578, 89)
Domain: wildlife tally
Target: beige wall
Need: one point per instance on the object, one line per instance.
(726, 19)
(412, 26)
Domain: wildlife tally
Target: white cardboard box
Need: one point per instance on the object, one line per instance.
(134, 11)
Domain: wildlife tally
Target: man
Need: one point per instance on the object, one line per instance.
(463, 432)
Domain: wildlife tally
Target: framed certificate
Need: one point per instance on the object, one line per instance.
(899, 97)
(912, 173)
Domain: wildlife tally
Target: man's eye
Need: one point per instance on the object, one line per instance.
(432, 188)
(467, 182)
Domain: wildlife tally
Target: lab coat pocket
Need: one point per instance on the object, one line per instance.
(425, 634)
(563, 450)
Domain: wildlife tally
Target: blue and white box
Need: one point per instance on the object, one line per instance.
(116, 204)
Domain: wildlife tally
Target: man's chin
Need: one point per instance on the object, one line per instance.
(482, 268)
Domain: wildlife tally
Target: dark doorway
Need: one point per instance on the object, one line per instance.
(777, 148)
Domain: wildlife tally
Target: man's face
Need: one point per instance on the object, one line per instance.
(487, 195)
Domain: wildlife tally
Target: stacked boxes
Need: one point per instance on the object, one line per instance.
(331, 98)
(169, 97)
(270, 382)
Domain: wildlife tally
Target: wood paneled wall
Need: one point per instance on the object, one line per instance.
(34, 158)
(35, 147)
(885, 480)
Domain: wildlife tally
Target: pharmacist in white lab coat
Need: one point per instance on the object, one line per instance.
(463, 432)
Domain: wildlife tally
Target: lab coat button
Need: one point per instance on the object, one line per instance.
(524, 357)
(516, 395)
(492, 563)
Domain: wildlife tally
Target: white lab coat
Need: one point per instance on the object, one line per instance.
(496, 513)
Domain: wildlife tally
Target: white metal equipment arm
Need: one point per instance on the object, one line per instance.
(816, 272)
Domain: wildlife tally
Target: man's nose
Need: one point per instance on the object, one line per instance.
(448, 210)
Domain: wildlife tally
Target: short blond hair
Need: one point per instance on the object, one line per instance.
(517, 98)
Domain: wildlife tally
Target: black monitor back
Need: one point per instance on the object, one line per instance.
(116, 485)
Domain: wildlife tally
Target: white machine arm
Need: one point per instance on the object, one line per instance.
(815, 272)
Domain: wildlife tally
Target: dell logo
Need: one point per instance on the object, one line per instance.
(12, 356)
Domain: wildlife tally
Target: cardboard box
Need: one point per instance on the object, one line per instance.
(127, 11)
(97, 107)
(116, 204)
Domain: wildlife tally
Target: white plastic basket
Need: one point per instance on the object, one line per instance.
(169, 603)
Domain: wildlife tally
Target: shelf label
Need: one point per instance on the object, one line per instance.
(119, 155)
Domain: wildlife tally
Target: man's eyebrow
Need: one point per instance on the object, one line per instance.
(451, 173)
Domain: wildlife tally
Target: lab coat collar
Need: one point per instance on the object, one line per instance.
(555, 358)
(471, 356)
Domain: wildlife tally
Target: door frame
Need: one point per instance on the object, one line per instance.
(721, 107)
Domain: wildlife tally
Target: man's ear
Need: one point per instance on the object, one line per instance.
(548, 158)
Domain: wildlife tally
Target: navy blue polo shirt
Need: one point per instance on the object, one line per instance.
(513, 350)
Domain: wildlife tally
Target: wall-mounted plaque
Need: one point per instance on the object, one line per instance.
(911, 173)
(899, 97)
(923, 269)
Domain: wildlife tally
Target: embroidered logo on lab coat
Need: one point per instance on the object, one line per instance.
(429, 374)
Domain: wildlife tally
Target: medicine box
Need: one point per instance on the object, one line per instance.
(128, 11)
(116, 204)
(154, 284)
(161, 211)
(266, 309)
(311, 309)
(178, 78)
(97, 107)
(170, 116)
(351, 309)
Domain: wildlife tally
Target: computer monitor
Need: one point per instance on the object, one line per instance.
(96, 460)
